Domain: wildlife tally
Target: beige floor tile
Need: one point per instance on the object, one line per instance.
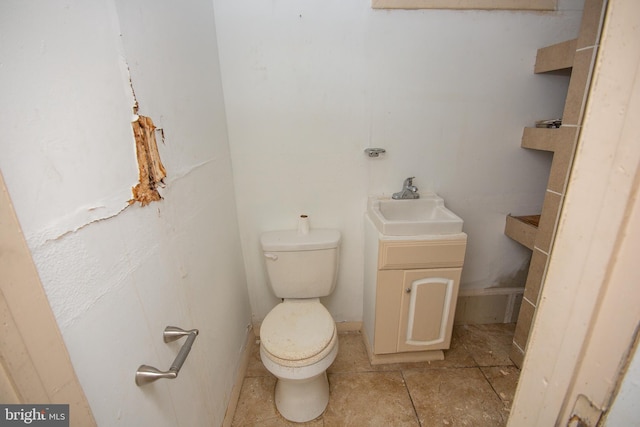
(457, 356)
(352, 355)
(454, 397)
(489, 345)
(279, 421)
(369, 399)
(365, 395)
(255, 368)
(256, 404)
(504, 380)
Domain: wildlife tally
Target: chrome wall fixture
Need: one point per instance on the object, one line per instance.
(374, 152)
(147, 374)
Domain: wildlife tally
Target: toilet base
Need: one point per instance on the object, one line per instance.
(302, 393)
(302, 400)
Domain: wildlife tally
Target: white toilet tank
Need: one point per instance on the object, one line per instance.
(301, 265)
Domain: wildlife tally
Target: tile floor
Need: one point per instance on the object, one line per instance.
(473, 386)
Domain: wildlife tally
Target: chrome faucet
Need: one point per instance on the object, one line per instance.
(409, 191)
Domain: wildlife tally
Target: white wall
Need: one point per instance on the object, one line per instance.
(624, 409)
(309, 85)
(115, 274)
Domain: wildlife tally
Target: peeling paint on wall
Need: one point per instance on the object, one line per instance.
(151, 170)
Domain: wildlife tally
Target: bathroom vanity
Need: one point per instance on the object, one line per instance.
(411, 280)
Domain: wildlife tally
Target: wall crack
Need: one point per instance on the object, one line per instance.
(80, 227)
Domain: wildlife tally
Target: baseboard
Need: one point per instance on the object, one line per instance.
(242, 372)
(488, 305)
(348, 326)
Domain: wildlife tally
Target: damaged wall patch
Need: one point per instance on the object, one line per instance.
(151, 170)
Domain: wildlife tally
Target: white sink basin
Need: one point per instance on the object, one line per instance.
(426, 215)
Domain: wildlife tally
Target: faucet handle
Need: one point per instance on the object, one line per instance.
(409, 191)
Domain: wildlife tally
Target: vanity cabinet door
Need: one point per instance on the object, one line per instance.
(428, 304)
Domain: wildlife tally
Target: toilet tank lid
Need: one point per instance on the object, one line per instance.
(290, 240)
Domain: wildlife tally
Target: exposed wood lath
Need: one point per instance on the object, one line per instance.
(151, 170)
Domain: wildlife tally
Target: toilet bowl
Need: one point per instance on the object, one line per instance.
(298, 342)
(298, 338)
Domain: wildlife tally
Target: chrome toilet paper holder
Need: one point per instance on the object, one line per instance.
(147, 374)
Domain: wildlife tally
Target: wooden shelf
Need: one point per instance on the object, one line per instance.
(548, 139)
(557, 57)
(522, 229)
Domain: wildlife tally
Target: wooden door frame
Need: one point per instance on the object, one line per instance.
(34, 359)
(585, 327)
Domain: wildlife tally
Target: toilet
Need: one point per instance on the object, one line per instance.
(298, 338)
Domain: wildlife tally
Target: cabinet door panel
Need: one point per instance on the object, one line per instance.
(428, 303)
(428, 307)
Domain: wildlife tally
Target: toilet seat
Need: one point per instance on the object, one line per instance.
(298, 333)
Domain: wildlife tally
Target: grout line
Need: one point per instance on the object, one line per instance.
(413, 405)
(503, 402)
(541, 250)
(593, 46)
(491, 385)
(518, 347)
(528, 300)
